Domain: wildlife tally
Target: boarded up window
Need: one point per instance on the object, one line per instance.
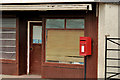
(8, 38)
(62, 46)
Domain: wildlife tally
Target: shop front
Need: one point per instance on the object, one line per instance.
(47, 42)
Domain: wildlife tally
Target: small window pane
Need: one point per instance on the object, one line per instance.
(55, 23)
(11, 56)
(75, 23)
(37, 34)
(8, 22)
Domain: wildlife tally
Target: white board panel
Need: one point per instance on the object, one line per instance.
(40, 7)
(42, 1)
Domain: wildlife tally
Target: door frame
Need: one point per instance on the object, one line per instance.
(28, 44)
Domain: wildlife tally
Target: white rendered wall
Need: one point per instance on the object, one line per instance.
(108, 25)
(119, 33)
(42, 1)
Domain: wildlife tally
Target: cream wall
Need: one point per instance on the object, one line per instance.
(119, 32)
(108, 25)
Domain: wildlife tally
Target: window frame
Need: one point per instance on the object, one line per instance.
(17, 40)
(48, 63)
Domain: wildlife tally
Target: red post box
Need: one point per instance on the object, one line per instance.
(85, 46)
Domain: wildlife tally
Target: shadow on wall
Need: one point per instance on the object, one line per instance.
(0, 41)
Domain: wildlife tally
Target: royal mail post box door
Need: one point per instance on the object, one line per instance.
(85, 46)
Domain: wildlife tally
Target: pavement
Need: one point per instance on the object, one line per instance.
(20, 76)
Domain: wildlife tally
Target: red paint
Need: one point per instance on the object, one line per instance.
(85, 46)
(62, 72)
(9, 68)
(91, 30)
